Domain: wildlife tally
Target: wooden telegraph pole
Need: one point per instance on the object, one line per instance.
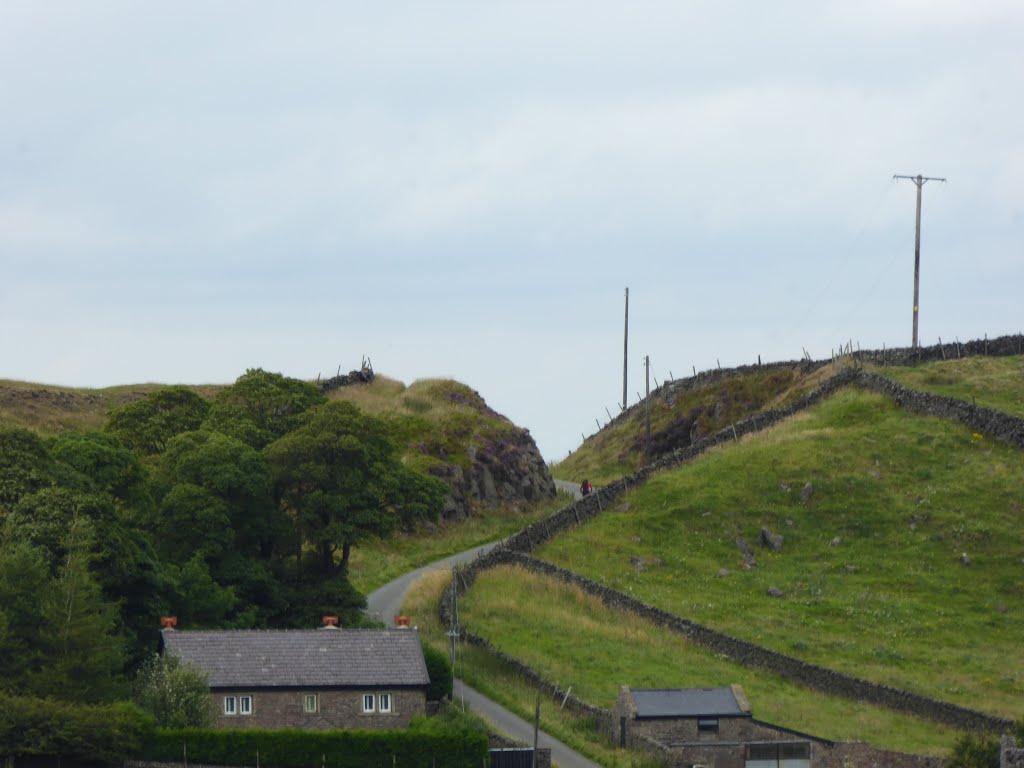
(919, 180)
(647, 402)
(625, 352)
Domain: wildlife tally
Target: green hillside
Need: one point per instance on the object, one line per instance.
(871, 567)
(680, 415)
(991, 382)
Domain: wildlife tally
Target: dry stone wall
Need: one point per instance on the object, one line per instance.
(517, 548)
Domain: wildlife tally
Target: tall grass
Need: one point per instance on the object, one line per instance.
(575, 639)
(874, 564)
(992, 382)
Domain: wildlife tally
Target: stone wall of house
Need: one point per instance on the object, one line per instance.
(337, 709)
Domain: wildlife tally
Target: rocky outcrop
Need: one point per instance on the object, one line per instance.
(505, 470)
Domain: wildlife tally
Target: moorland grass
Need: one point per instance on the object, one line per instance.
(492, 678)
(872, 569)
(51, 410)
(991, 382)
(619, 448)
(575, 639)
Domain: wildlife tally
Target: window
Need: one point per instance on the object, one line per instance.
(310, 703)
(707, 725)
(245, 705)
(229, 705)
(384, 702)
(367, 702)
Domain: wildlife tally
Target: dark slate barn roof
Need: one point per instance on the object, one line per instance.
(687, 702)
(259, 658)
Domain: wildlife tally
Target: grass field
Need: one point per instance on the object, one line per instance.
(378, 561)
(871, 566)
(574, 638)
(493, 679)
(992, 382)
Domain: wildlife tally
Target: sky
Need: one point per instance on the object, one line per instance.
(466, 189)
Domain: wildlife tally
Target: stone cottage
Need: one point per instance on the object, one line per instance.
(711, 727)
(317, 679)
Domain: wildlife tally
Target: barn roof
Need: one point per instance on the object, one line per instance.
(689, 702)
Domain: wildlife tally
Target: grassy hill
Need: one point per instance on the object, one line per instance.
(51, 410)
(682, 412)
(903, 563)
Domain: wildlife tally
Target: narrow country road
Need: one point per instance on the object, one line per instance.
(385, 602)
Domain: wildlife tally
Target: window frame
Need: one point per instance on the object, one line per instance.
(306, 699)
(707, 725)
(381, 699)
(369, 698)
(230, 706)
(245, 705)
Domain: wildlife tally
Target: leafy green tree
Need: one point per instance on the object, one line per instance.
(340, 477)
(25, 466)
(176, 694)
(25, 581)
(260, 407)
(231, 473)
(120, 558)
(147, 425)
(105, 464)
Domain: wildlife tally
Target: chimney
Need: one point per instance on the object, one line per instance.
(402, 622)
(329, 622)
(168, 622)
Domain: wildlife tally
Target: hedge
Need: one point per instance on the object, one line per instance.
(289, 748)
(98, 734)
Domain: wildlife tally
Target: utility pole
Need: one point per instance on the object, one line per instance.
(647, 402)
(625, 352)
(453, 631)
(919, 180)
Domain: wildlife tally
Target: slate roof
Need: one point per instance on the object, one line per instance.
(687, 702)
(302, 658)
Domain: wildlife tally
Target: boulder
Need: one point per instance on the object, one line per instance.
(772, 541)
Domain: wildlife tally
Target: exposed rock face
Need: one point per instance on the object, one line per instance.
(505, 468)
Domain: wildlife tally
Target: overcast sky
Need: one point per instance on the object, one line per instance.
(465, 189)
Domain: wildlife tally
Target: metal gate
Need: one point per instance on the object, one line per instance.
(512, 757)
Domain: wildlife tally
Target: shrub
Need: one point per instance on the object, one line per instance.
(440, 673)
(103, 735)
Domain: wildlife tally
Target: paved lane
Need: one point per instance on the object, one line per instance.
(385, 602)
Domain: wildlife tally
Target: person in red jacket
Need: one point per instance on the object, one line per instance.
(585, 487)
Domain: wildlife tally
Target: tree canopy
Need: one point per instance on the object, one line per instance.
(340, 478)
(260, 407)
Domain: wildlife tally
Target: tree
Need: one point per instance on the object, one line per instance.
(25, 466)
(340, 478)
(229, 472)
(260, 407)
(104, 464)
(176, 694)
(147, 425)
(119, 557)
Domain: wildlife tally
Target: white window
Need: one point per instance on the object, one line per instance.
(245, 705)
(384, 702)
(367, 702)
(229, 705)
(310, 703)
